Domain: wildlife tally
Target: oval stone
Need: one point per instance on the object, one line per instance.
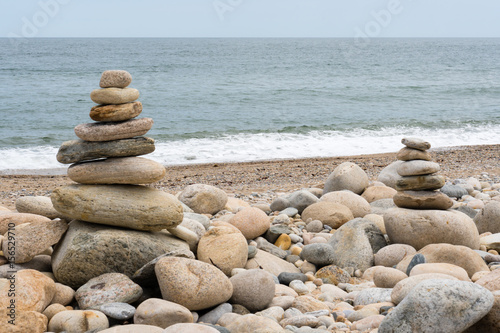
(439, 306)
(252, 222)
(116, 112)
(108, 131)
(417, 167)
(124, 170)
(192, 283)
(114, 95)
(30, 290)
(78, 150)
(204, 199)
(107, 288)
(332, 214)
(347, 176)
(254, 289)
(115, 79)
(419, 183)
(416, 143)
(422, 200)
(130, 206)
(224, 248)
(409, 154)
(419, 228)
(356, 203)
(79, 321)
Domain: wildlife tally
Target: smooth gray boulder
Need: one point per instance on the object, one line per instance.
(444, 306)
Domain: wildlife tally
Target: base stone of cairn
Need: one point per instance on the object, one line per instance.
(423, 217)
(109, 205)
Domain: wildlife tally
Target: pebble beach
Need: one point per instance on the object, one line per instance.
(396, 242)
(266, 178)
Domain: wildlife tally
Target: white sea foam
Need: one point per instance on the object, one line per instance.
(269, 146)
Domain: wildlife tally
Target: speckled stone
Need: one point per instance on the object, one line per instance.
(25, 321)
(119, 112)
(33, 291)
(107, 288)
(115, 79)
(107, 96)
(108, 131)
(32, 239)
(439, 306)
(88, 250)
(191, 283)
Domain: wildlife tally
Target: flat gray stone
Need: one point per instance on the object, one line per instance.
(117, 310)
(88, 250)
(78, 150)
(444, 306)
(416, 143)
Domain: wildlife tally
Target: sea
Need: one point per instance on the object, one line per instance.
(234, 100)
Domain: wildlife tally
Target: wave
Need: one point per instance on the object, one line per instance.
(269, 146)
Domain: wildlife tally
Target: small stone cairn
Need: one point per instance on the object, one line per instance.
(419, 184)
(105, 164)
(422, 215)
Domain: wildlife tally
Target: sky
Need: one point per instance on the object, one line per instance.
(249, 18)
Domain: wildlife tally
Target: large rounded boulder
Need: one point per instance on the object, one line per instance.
(419, 228)
(346, 176)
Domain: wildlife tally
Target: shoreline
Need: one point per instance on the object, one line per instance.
(245, 178)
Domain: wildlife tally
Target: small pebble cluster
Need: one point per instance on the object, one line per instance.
(110, 255)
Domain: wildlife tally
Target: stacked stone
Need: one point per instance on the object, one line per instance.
(105, 164)
(419, 184)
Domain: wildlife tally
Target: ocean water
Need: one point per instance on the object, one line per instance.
(222, 100)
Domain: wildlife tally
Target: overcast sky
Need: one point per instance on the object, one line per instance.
(249, 18)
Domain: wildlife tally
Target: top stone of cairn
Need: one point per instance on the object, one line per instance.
(115, 79)
(416, 143)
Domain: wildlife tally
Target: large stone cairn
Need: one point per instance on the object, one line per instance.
(419, 184)
(105, 164)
